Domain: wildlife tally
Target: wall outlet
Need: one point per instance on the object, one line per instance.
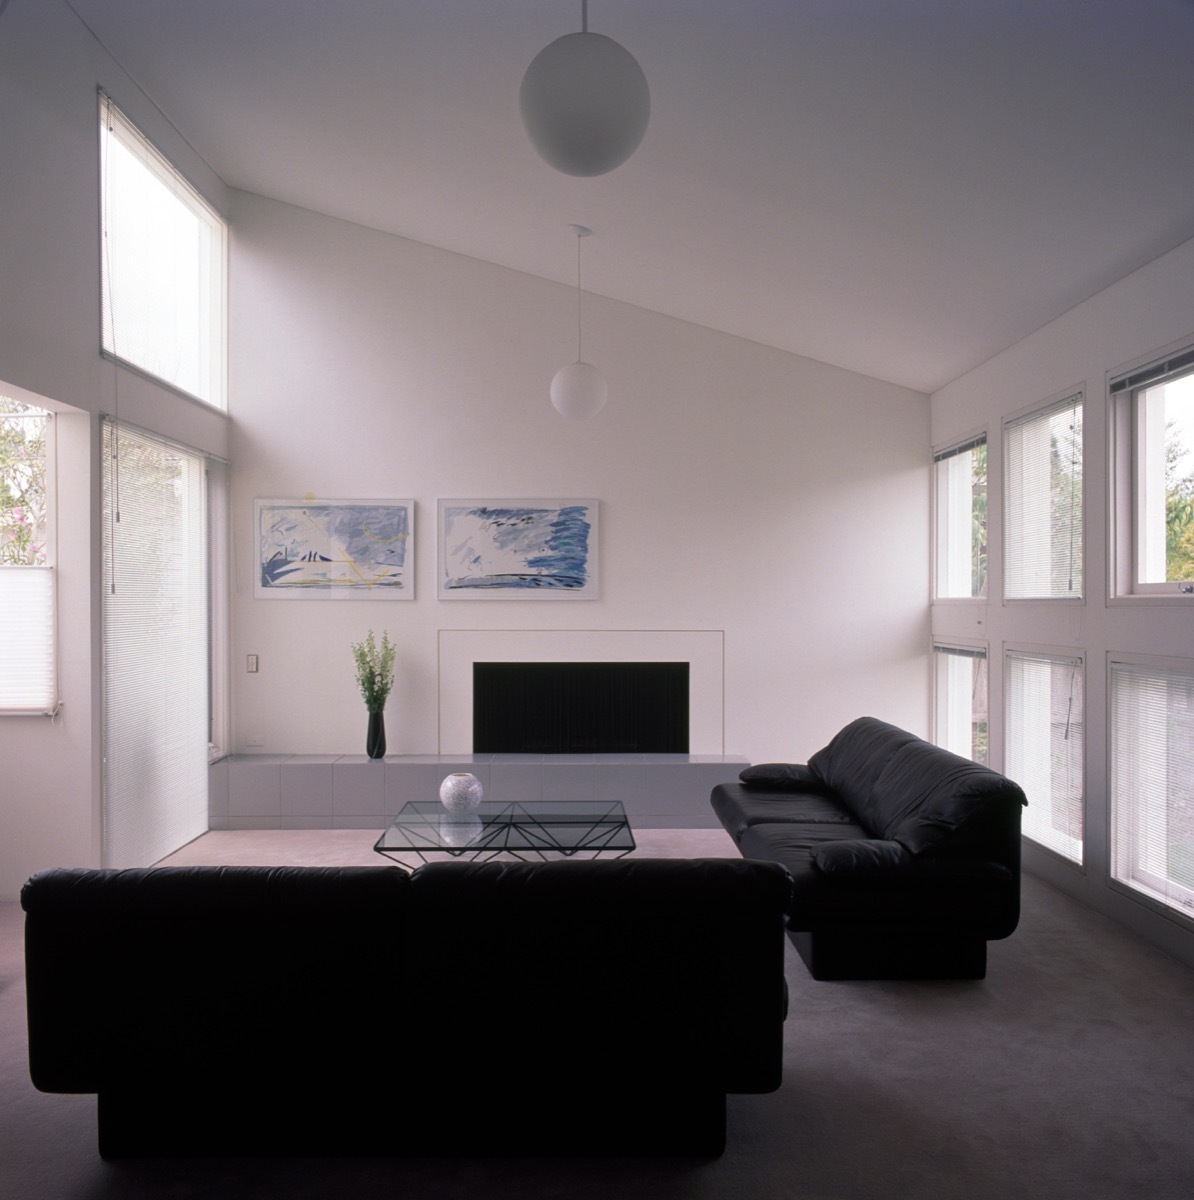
(251, 664)
(255, 739)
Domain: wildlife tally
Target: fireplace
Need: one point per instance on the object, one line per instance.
(580, 707)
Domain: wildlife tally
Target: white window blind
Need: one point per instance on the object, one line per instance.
(28, 678)
(1043, 503)
(960, 700)
(155, 646)
(1045, 739)
(163, 265)
(960, 517)
(1152, 782)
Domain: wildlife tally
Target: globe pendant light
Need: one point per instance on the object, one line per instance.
(579, 389)
(585, 102)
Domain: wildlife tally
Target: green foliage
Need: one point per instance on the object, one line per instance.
(1179, 512)
(375, 669)
(22, 484)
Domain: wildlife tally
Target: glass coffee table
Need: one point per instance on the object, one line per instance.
(535, 830)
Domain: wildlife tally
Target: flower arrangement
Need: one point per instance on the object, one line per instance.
(375, 669)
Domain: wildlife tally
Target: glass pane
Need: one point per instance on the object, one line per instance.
(1152, 782)
(1043, 504)
(1045, 739)
(961, 702)
(1165, 471)
(23, 514)
(961, 484)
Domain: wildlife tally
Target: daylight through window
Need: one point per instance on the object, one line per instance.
(960, 508)
(163, 265)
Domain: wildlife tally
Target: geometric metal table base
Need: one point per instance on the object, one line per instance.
(539, 830)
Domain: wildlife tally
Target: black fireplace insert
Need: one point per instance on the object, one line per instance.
(580, 708)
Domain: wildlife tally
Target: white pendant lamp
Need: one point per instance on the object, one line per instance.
(578, 390)
(585, 102)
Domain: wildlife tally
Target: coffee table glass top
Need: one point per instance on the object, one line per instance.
(539, 829)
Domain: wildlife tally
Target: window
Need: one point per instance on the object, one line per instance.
(960, 508)
(156, 711)
(1153, 427)
(1045, 727)
(28, 675)
(1043, 503)
(163, 265)
(960, 700)
(1152, 781)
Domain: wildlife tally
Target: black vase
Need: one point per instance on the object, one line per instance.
(375, 739)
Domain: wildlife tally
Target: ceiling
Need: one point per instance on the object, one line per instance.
(899, 187)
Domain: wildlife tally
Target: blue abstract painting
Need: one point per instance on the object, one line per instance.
(351, 549)
(518, 549)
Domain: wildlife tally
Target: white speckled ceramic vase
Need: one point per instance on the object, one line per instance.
(460, 792)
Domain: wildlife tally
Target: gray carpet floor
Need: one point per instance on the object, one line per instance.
(1067, 1073)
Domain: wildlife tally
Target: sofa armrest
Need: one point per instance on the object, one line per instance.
(860, 856)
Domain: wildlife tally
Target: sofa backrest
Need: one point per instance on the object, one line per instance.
(854, 760)
(300, 979)
(904, 789)
(932, 801)
(673, 965)
(197, 969)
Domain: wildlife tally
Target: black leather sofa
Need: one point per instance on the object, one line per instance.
(558, 1008)
(905, 858)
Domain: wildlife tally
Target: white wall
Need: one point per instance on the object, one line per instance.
(742, 489)
(1140, 315)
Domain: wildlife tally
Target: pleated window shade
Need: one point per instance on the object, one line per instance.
(1152, 782)
(155, 647)
(28, 678)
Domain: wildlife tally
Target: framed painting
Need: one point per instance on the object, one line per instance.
(335, 549)
(517, 550)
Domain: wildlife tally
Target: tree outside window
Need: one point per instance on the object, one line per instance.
(23, 513)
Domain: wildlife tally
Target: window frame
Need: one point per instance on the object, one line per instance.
(1125, 482)
(211, 298)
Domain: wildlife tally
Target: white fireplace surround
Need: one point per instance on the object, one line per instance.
(702, 649)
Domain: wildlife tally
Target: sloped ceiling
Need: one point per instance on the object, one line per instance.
(899, 187)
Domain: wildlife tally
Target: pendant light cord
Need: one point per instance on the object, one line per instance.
(579, 356)
(584, 15)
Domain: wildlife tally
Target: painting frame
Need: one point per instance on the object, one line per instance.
(518, 549)
(309, 549)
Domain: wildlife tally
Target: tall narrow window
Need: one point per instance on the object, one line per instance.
(1042, 529)
(163, 265)
(1153, 429)
(28, 671)
(155, 646)
(1045, 740)
(960, 515)
(960, 716)
(1152, 782)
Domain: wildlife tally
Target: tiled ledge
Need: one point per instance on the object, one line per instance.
(312, 791)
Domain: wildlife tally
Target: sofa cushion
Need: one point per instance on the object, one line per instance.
(738, 807)
(927, 797)
(855, 759)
